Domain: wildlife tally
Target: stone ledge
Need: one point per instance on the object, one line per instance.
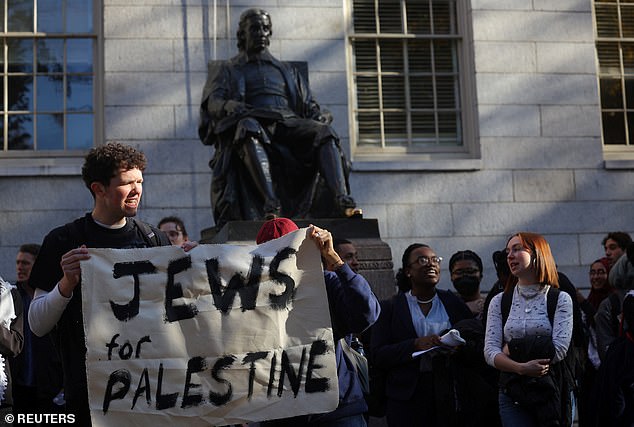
(245, 231)
(375, 256)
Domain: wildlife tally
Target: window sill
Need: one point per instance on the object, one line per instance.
(365, 163)
(41, 166)
(618, 164)
(615, 160)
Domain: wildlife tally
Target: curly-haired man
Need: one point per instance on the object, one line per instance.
(114, 175)
(615, 244)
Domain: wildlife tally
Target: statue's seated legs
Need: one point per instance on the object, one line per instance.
(305, 145)
(332, 170)
(249, 138)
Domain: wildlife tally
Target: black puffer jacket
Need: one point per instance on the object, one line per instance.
(542, 395)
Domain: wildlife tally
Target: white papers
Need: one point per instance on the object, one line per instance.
(451, 339)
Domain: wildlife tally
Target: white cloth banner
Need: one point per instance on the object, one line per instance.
(220, 335)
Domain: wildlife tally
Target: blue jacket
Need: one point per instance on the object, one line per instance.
(353, 309)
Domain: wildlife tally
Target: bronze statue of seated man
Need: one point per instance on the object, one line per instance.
(275, 151)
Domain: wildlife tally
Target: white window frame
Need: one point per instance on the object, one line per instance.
(60, 162)
(616, 156)
(465, 157)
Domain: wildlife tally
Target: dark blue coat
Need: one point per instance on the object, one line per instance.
(393, 337)
(353, 309)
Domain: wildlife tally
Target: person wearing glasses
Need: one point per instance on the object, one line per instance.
(418, 388)
(600, 289)
(466, 274)
(528, 334)
(174, 227)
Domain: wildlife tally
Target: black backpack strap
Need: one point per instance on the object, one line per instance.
(551, 303)
(150, 236)
(505, 305)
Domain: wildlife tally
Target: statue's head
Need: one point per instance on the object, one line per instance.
(254, 30)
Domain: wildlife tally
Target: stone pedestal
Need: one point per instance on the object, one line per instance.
(375, 256)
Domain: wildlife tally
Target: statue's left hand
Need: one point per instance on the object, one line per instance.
(324, 116)
(235, 107)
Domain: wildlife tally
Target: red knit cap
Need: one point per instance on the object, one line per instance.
(274, 228)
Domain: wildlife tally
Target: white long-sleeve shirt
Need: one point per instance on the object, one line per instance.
(528, 316)
(46, 309)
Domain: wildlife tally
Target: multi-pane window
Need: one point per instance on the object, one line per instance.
(406, 68)
(48, 75)
(615, 51)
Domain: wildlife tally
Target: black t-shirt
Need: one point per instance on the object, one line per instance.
(47, 272)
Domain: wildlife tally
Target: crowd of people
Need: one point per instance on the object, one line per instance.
(548, 349)
(533, 351)
(531, 355)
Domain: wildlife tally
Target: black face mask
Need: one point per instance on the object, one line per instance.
(467, 285)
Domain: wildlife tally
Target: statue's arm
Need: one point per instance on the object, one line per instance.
(221, 105)
(310, 106)
(209, 110)
(218, 91)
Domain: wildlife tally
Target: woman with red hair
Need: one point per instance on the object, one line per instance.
(524, 342)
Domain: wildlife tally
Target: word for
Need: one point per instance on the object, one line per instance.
(120, 380)
(125, 350)
(247, 288)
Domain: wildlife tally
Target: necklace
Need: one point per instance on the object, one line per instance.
(422, 301)
(529, 291)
